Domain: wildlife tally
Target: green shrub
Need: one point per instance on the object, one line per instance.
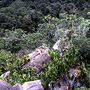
(12, 40)
(66, 28)
(19, 40)
(21, 76)
(60, 64)
(31, 41)
(82, 88)
(5, 58)
(56, 67)
(8, 62)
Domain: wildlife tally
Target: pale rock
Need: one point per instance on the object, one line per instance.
(18, 86)
(5, 75)
(38, 58)
(5, 86)
(33, 85)
(32, 55)
(57, 46)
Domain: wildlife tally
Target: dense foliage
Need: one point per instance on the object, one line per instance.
(27, 24)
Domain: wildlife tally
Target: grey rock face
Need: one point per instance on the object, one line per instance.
(33, 85)
(18, 86)
(38, 58)
(5, 75)
(5, 86)
(60, 88)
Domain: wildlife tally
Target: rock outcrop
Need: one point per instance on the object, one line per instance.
(5, 75)
(18, 86)
(38, 58)
(5, 86)
(33, 85)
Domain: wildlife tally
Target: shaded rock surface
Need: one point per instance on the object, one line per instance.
(60, 88)
(63, 84)
(33, 85)
(5, 75)
(5, 86)
(18, 86)
(38, 58)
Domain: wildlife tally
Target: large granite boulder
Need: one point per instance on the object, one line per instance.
(5, 86)
(38, 58)
(33, 85)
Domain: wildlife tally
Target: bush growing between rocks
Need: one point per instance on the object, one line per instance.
(59, 66)
(8, 62)
(73, 34)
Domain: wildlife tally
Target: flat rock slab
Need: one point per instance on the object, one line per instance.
(33, 85)
(5, 86)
